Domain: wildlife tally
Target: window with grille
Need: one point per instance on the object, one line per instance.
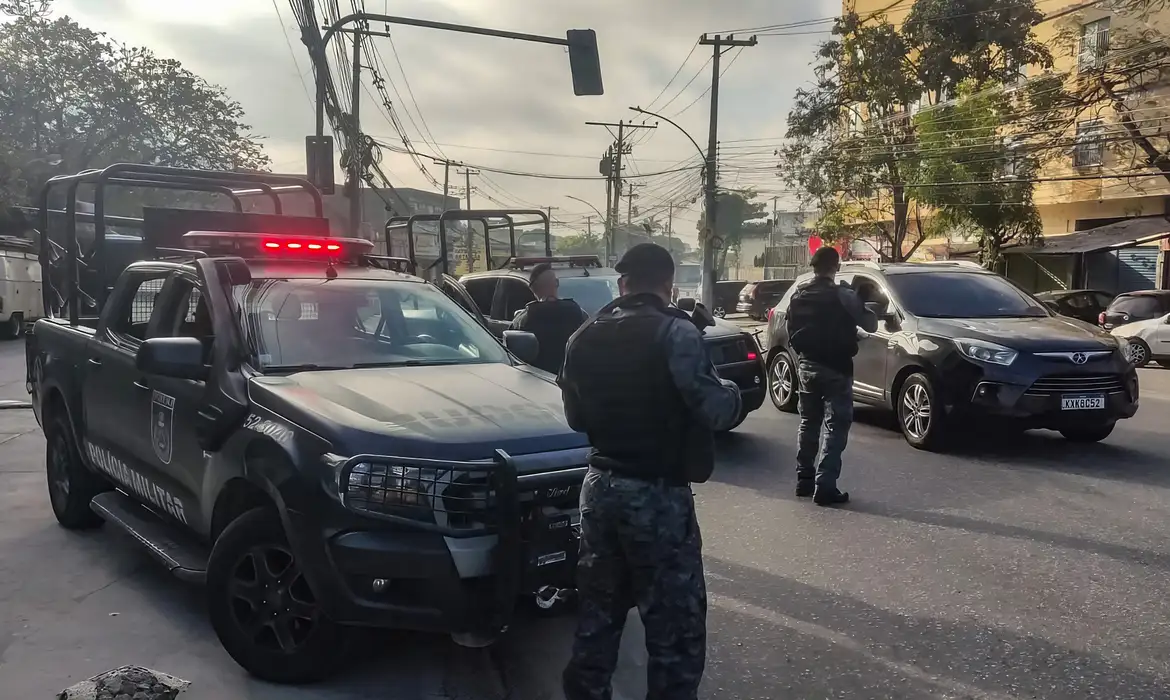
(1094, 44)
(1089, 149)
(134, 317)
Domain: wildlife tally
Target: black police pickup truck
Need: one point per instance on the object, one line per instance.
(323, 442)
(501, 293)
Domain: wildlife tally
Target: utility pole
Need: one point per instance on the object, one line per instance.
(589, 226)
(670, 227)
(707, 275)
(613, 212)
(355, 141)
(630, 203)
(467, 173)
(770, 251)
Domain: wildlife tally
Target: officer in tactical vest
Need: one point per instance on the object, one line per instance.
(822, 322)
(550, 319)
(638, 381)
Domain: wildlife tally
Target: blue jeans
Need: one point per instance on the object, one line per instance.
(826, 400)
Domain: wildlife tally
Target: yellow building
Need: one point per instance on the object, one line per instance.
(1079, 35)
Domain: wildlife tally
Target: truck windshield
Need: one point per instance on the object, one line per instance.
(590, 293)
(302, 324)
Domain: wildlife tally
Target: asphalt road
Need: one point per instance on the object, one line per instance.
(1021, 569)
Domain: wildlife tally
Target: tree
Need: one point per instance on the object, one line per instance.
(579, 244)
(732, 209)
(962, 142)
(70, 96)
(1121, 73)
(854, 148)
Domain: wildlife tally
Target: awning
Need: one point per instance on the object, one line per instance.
(1123, 234)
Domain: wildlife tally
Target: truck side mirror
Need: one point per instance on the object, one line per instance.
(178, 358)
(522, 344)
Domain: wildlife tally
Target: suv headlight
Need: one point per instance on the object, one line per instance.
(983, 351)
(386, 487)
(1125, 347)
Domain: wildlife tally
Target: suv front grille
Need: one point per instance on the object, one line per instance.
(1084, 383)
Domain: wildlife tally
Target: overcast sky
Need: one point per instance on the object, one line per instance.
(483, 100)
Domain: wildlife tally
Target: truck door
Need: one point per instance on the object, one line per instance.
(452, 288)
(172, 446)
(114, 397)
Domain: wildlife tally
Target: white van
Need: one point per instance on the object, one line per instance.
(20, 286)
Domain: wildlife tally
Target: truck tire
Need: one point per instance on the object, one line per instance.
(13, 327)
(71, 484)
(261, 606)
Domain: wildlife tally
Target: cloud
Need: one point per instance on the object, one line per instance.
(505, 95)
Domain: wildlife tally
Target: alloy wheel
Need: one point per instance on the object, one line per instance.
(916, 411)
(781, 385)
(271, 601)
(1137, 354)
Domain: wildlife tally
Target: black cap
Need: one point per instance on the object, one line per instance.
(646, 260)
(825, 257)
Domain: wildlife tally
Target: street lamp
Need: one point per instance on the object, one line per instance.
(707, 270)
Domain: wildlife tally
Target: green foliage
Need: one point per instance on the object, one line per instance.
(580, 244)
(963, 142)
(854, 149)
(732, 209)
(71, 95)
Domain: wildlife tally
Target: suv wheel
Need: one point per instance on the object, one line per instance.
(782, 387)
(261, 606)
(920, 415)
(1139, 352)
(71, 484)
(1088, 433)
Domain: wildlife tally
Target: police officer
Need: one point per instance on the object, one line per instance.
(822, 321)
(550, 319)
(638, 381)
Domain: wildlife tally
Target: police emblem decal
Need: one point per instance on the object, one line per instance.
(162, 425)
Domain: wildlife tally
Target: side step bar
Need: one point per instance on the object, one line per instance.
(186, 560)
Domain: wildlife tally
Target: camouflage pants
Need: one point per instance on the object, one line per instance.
(640, 546)
(826, 401)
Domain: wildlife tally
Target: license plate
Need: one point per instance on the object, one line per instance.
(1090, 402)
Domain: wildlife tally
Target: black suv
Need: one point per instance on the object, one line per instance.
(956, 342)
(500, 294)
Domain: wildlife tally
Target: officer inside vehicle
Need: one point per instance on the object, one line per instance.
(638, 381)
(550, 319)
(823, 321)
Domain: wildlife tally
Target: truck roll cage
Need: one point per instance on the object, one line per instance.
(503, 218)
(61, 263)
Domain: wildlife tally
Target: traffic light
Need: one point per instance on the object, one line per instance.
(584, 62)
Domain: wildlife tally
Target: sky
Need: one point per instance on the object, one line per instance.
(509, 105)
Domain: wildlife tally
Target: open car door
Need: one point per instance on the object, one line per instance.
(452, 288)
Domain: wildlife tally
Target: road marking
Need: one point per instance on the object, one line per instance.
(846, 642)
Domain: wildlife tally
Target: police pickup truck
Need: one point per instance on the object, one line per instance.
(324, 442)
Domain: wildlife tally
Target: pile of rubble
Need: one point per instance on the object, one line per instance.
(126, 683)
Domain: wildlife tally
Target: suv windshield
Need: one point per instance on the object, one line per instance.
(962, 295)
(590, 293)
(347, 323)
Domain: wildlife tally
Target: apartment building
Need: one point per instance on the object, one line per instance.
(1079, 190)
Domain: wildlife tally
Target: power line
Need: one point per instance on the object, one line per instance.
(292, 52)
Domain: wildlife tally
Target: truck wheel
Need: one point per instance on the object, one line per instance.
(13, 327)
(71, 484)
(261, 606)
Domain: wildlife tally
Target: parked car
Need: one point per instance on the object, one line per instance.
(1132, 307)
(1149, 340)
(957, 343)
(757, 297)
(1084, 304)
(727, 293)
(499, 295)
(21, 302)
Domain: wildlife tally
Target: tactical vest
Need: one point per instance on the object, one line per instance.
(820, 328)
(635, 417)
(552, 322)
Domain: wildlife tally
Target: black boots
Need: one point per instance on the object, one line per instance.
(829, 497)
(805, 488)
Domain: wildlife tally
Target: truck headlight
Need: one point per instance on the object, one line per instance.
(375, 486)
(983, 351)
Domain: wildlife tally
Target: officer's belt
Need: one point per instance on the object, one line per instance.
(633, 474)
